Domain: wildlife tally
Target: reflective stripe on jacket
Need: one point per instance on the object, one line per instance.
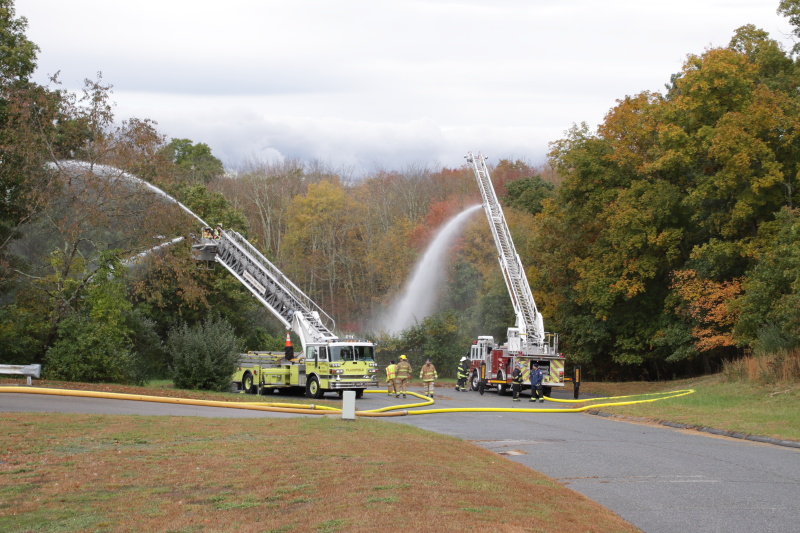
(428, 373)
(463, 369)
(391, 372)
(403, 370)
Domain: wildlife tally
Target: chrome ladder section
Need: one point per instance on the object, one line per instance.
(529, 320)
(268, 284)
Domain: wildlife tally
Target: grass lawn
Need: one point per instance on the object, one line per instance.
(766, 410)
(63, 472)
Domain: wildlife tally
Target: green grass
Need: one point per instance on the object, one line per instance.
(754, 409)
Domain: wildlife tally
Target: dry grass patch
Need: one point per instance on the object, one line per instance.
(62, 472)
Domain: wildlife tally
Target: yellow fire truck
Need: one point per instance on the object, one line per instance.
(326, 362)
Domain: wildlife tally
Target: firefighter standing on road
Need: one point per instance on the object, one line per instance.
(536, 383)
(403, 376)
(463, 374)
(391, 374)
(428, 375)
(516, 381)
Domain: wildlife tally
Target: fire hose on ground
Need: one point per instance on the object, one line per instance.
(395, 410)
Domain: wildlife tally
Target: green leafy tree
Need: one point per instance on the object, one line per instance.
(17, 52)
(94, 343)
(528, 194)
(438, 338)
(204, 355)
(791, 10)
(194, 162)
(769, 307)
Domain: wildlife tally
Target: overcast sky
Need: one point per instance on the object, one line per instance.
(369, 84)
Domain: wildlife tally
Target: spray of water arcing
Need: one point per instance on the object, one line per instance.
(418, 298)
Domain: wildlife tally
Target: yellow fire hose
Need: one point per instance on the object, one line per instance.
(312, 409)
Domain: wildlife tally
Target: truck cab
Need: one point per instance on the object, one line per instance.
(339, 366)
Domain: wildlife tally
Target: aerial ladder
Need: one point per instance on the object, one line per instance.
(492, 364)
(529, 328)
(277, 293)
(327, 362)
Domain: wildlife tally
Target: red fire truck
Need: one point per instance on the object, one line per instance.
(491, 363)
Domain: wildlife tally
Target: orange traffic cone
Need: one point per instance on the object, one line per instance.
(288, 351)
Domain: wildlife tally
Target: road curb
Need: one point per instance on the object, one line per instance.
(704, 429)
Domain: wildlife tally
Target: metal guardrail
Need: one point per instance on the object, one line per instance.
(29, 371)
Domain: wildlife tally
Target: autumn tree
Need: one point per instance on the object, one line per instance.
(194, 163)
(679, 182)
(708, 306)
(27, 113)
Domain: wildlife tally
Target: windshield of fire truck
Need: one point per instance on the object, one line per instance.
(352, 353)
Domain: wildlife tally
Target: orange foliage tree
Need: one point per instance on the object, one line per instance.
(708, 304)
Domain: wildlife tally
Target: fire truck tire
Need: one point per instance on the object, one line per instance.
(475, 381)
(247, 383)
(501, 387)
(313, 390)
(359, 394)
(547, 391)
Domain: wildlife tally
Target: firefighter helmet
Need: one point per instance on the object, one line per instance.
(402, 357)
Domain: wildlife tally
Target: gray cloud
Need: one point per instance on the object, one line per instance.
(378, 83)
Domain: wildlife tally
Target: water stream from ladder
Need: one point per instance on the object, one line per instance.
(419, 297)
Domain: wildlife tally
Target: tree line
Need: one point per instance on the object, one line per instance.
(662, 244)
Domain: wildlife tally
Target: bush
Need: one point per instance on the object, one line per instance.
(150, 361)
(89, 352)
(205, 355)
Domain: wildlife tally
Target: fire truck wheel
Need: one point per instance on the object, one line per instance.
(475, 381)
(247, 383)
(313, 390)
(359, 394)
(501, 387)
(547, 391)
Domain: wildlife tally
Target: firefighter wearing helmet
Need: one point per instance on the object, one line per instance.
(403, 376)
(391, 374)
(463, 373)
(428, 375)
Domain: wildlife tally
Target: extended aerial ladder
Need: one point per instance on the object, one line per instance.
(327, 362)
(283, 298)
(528, 337)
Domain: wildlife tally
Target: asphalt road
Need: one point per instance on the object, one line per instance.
(657, 478)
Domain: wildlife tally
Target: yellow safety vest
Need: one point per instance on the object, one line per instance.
(391, 372)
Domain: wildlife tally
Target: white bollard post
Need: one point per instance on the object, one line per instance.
(349, 405)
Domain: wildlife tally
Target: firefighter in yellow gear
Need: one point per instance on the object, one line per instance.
(391, 374)
(403, 376)
(428, 375)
